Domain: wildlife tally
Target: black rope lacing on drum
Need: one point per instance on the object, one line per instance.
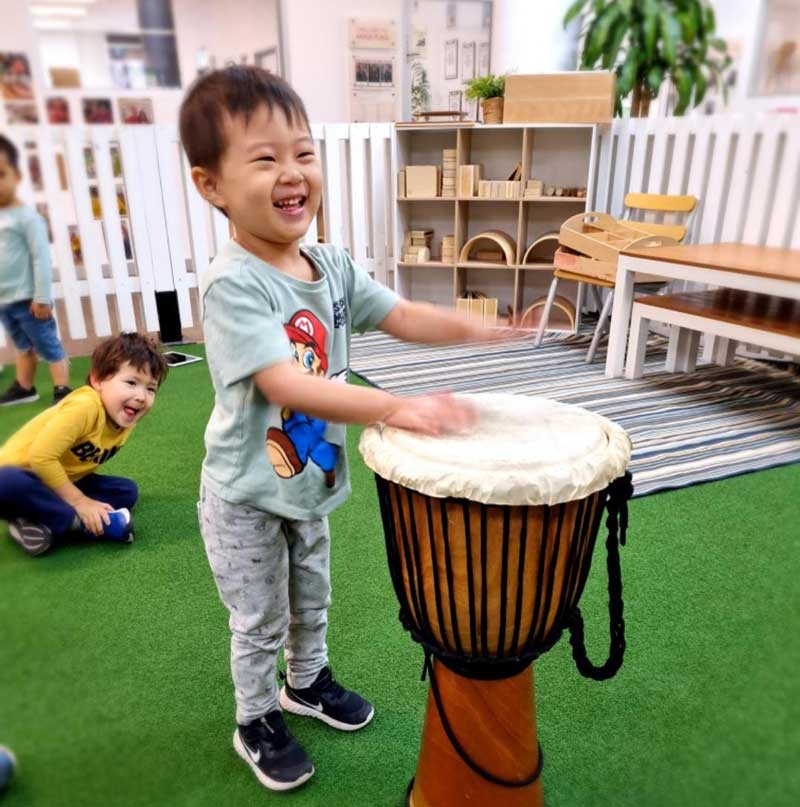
(618, 494)
(427, 668)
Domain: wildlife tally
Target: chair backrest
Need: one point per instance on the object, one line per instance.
(659, 213)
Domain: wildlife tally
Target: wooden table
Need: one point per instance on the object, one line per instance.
(767, 270)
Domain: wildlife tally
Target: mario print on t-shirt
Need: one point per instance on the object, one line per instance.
(303, 437)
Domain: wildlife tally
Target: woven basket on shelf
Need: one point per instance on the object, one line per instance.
(492, 110)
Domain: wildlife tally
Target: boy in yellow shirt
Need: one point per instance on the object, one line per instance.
(48, 484)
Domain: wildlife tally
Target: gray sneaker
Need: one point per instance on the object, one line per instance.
(34, 538)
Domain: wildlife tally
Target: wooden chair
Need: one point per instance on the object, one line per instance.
(650, 214)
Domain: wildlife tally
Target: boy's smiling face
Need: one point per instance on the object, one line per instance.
(127, 395)
(269, 179)
(9, 179)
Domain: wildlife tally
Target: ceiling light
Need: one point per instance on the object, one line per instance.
(58, 11)
(53, 25)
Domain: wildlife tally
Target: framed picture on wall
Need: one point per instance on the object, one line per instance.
(467, 61)
(777, 69)
(451, 15)
(57, 110)
(483, 59)
(135, 110)
(97, 110)
(454, 100)
(451, 58)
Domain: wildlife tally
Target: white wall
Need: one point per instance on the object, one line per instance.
(528, 37)
(227, 31)
(318, 51)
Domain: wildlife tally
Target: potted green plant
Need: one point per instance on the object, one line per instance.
(647, 42)
(489, 90)
(420, 89)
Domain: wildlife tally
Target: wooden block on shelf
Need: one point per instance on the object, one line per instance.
(579, 96)
(484, 189)
(476, 308)
(490, 312)
(401, 183)
(422, 181)
(468, 179)
(463, 305)
(535, 187)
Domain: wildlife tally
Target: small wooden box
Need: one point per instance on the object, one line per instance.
(573, 97)
(422, 181)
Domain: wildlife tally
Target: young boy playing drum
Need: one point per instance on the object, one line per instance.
(277, 321)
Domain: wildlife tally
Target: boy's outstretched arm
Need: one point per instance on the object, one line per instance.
(285, 386)
(423, 322)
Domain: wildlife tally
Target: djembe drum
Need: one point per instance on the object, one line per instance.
(489, 539)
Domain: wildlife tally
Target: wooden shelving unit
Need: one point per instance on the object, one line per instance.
(560, 155)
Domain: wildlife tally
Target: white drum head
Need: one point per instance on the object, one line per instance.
(521, 451)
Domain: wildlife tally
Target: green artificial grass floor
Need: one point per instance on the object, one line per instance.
(114, 677)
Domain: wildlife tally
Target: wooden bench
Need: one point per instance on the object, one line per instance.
(738, 316)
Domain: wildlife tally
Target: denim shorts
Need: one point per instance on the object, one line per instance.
(28, 333)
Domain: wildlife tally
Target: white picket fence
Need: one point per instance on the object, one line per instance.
(140, 179)
(745, 171)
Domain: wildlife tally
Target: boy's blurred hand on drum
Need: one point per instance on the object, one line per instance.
(433, 415)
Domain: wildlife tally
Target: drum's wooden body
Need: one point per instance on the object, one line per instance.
(487, 587)
(496, 723)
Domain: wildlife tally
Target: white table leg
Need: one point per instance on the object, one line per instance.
(724, 351)
(620, 318)
(692, 349)
(637, 347)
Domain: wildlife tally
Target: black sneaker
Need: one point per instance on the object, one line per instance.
(60, 392)
(17, 394)
(275, 756)
(329, 702)
(34, 538)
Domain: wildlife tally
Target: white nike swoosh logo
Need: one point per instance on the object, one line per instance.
(317, 707)
(255, 757)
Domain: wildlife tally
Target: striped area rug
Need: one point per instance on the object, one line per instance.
(686, 428)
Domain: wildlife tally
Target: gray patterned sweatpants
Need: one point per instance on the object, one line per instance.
(273, 576)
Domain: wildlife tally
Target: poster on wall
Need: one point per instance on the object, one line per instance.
(135, 110)
(15, 77)
(35, 172)
(57, 110)
(451, 59)
(467, 61)
(454, 101)
(97, 110)
(778, 67)
(378, 73)
(371, 34)
(24, 113)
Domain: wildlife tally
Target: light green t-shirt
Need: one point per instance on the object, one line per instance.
(255, 316)
(25, 269)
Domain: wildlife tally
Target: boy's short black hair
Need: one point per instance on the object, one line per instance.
(138, 350)
(11, 152)
(238, 90)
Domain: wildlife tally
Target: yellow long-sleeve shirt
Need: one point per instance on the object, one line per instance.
(67, 441)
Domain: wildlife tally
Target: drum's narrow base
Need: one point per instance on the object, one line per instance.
(495, 722)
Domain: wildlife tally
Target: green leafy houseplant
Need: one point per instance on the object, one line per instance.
(490, 86)
(647, 42)
(489, 90)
